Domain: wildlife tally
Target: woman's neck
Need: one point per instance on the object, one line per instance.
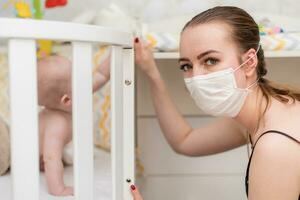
(251, 111)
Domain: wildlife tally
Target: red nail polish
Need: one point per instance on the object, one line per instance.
(136, 40)
(132, 187)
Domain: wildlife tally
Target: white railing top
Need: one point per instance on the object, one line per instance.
(54, 30)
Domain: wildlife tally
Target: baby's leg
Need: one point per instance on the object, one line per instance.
(53, 148)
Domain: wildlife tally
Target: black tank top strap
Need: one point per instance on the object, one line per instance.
(253, 146)
(274, 131)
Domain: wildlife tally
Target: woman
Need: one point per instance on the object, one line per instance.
(223, 67)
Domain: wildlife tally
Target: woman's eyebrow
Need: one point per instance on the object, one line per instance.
(183, 59)
(206, 52)
(200, 55)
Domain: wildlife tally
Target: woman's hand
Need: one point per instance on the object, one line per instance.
(135, 193)
(144, 57)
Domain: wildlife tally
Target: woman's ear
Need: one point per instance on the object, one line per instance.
(66, 100)
(251, 61)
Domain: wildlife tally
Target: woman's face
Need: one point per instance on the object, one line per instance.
(207, 48)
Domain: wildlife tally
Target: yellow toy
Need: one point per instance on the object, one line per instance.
(23, 10)
(45, 48)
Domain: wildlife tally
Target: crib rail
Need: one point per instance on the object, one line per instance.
(43, 29)
(22, 35)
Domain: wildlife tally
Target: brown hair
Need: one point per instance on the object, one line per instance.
(245, 33)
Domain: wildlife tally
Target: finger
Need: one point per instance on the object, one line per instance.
(137, 44)
(135, 193)
(138, 49)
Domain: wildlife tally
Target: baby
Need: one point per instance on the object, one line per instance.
(55, 119)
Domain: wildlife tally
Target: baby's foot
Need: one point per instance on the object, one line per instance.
(65, 191)
(68, 191)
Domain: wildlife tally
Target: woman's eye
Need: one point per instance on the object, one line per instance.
(211, 61)
(185, 67)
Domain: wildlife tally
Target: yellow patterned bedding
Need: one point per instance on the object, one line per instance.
(166, 42)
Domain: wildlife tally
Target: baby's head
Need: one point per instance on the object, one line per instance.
(54, 82)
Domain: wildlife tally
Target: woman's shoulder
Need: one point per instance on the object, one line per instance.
(277, 147)
(275, 166)
(273, 143)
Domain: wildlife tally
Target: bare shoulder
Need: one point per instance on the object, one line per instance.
(275, 168)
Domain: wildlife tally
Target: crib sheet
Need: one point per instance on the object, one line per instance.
(102, 180)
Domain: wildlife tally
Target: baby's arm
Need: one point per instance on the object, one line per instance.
(101, 74)
(55, 139)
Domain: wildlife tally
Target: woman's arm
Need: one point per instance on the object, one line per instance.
(274, 170)
(224, 134)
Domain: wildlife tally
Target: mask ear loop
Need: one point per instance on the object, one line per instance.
(252, 84)
(247, 59)
(259, 46)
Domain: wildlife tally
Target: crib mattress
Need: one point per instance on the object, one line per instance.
(102, 180)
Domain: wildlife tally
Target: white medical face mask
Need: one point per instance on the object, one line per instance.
(217, 93)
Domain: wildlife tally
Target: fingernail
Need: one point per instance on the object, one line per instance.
(132, 187)
(136, 40)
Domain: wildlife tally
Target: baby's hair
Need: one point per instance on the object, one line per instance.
(54, 79)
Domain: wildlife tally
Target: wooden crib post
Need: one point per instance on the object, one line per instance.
(129, 120)
(122, 119)
(82, 121)
(116, 78)
(24, 119)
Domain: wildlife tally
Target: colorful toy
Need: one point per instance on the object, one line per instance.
(44, 48)
(55, 3)
(38, 14)
(23, 10)
(266, 27)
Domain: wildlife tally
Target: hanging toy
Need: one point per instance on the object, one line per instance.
(55, 3)
(22, 9)
(38, 13)
(44, 48)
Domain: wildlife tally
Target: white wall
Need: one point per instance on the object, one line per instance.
(156, 9)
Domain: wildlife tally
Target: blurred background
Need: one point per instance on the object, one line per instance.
(151, 10)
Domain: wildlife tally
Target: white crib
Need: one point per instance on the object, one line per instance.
(21, 35)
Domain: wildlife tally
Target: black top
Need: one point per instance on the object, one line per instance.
(270, 131)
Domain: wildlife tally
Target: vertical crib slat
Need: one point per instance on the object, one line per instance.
(129, 120)
(82, 121)
(116, 77)
(24, 119)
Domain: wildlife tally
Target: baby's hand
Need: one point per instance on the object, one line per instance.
(101, 74)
